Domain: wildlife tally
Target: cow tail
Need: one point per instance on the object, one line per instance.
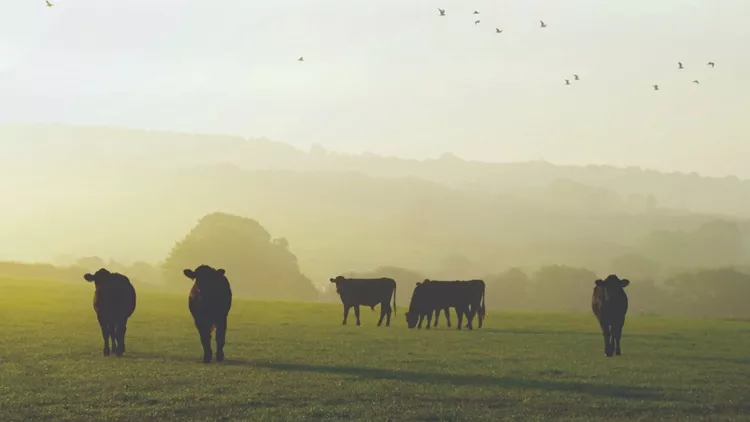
(394, 300)
(484, 312)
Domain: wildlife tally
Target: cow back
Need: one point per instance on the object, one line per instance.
(115, 297)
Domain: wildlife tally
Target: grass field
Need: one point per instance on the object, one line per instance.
(289, 361)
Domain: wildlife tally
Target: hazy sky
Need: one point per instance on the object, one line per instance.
(392, 77)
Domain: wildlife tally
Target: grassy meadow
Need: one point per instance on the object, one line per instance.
(294, 361)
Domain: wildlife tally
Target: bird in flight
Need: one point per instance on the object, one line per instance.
(442, 11)
(576, 77)
(680, 64)
(542, 24)
(696, 82)
(567, 82)
(498, 30)
(712, 64)
(476, 12)
(301, 59)
(48, 3)
(656, 87)
(476, 22)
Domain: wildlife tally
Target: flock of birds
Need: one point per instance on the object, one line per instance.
(542, 24)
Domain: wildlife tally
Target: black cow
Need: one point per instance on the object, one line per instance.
(367, 292)
(610, 305)
(467, 297)
(210, 301)
(114, 303)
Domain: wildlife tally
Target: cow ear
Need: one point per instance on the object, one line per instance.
(189, 273)
(88, 277)
(625, 282)
(418, 283)
(221, 271)
(333, 280)
(599, 283)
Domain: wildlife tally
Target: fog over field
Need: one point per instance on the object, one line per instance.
(406, 144)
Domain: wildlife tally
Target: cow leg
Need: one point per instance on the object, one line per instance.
(421, 318)
(429, 320)
(105, 334)
(460, 313)
(204, 330)
(118, 337)
(221, 335)
(616, 335)
(607, 334)
(448, 316)
(437, 317)
(123, 330)
(470, 312)
(382, 314)
(356, 313)
(388, 316)
(346, 313)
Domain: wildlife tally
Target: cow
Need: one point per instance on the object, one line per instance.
(367, 292)
(429, 296)
(209, 303)
(114, 303)
(610, 305)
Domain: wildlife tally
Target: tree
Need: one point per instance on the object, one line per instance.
(256, 266)
(509, 290)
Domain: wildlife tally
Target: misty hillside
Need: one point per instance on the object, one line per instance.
(132, 195)
(81, 149)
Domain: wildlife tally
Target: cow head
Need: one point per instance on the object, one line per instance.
(204, 276)
(98, 278)
(613, 286)
(336, 281)
(411, 319)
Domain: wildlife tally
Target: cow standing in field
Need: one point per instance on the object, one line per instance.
(210, 301)
(367, 292)
(610, 305)
(114, 303)
(467, 297)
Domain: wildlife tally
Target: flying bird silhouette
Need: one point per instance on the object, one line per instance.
(476, 22)
(567, 82)
(696, 82)
(48, 3)
(542, 24)
(442, 11)
(680, 64)
(476, 12)
(576, 77)
(301, 59)
(498, 30)
(712, 64)
(656, 87)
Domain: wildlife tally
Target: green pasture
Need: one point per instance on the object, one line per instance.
(295, 361)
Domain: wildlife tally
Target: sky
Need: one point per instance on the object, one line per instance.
(393, 77)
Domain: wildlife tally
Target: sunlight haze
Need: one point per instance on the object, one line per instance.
(394, 78)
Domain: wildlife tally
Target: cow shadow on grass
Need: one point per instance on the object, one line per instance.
(596, 389)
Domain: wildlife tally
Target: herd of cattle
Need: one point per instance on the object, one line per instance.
(211, 299)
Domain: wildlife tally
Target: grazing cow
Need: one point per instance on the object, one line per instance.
(610, 304)
(467, 297)
(209, 303)
(367, 292)
(114, 303)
